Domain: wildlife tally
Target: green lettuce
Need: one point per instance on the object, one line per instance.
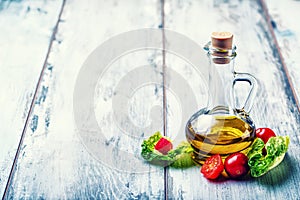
(276, 147)
(177, 158)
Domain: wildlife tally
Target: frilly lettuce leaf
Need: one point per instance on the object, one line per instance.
(276, 147)
(148, 146)
(177, 158)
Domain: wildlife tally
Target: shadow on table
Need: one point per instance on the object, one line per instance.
(280, 174)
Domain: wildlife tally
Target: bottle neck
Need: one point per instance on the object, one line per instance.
(225, 72)
(221, 75)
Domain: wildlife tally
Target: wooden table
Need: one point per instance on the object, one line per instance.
(43, 46)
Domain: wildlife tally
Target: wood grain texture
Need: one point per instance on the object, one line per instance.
(54, 163)
(287, 33)
(26, 29)
(273, 108)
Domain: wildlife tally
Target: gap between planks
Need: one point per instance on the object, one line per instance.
(286, 73)
(166, 169)
(52, 39)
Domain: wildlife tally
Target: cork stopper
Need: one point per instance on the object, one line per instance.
(222, 40)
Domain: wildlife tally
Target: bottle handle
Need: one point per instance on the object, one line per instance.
(245, 77)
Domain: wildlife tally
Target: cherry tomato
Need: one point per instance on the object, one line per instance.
(163, 146)
(264, 134)
(212, 167)
(236, 165)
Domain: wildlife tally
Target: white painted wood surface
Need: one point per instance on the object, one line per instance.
(25, 32)
(272, 108)
(284, 21)
(54, 163)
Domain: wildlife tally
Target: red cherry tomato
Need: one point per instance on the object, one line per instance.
(264, 134)
(236, 165)
(212, 167)
(163, 146)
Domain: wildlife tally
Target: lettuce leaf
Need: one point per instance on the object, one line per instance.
(177, 158)
(182, 156)
(276, 147)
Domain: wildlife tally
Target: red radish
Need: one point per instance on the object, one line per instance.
(163, 146)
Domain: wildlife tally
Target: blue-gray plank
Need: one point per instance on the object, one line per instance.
(57, 160)
(274, 108)
(130, 101)
(26, 30)
(287, 34)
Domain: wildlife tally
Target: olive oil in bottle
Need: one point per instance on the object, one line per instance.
(218, 133)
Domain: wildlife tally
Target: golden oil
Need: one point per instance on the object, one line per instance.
(217, 133)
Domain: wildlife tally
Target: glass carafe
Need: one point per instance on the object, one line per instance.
(222, 128)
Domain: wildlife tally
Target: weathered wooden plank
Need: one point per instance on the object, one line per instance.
(287, 32)
(26, 29)
(273, 108)
(55, 162)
